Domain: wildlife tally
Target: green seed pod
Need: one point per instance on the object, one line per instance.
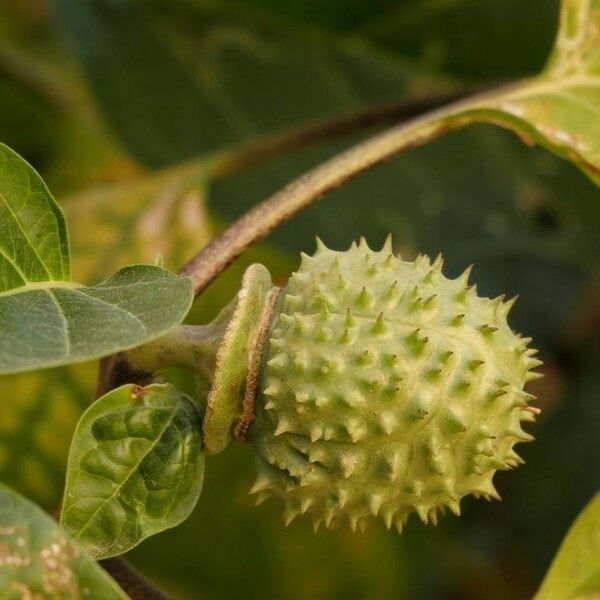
(386, 389)
(368, 386)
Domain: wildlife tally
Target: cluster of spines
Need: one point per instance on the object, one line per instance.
(322, 433)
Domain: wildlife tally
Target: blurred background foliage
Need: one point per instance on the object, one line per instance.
(109, 99)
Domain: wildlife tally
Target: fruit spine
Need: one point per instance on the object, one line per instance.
(387, 388)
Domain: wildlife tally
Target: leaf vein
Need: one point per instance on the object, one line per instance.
(64, 319)
(128, 476)
(111, 305)
(20, 227)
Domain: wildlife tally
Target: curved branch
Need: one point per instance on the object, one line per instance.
(307, 189)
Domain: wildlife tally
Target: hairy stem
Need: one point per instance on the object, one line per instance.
(302, 192)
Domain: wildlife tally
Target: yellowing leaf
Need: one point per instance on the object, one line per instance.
(159, 215)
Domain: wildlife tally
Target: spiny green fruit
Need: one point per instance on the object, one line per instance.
(387, 388)
(368, 385)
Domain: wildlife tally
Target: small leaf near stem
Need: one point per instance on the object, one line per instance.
(135, 468)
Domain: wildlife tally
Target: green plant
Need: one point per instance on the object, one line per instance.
(367, 385)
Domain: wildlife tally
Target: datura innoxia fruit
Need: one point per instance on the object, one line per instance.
(369, 386)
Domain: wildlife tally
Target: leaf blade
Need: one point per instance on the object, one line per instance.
(40, 559)
(33, 231)
(69, 324)
(124, 449)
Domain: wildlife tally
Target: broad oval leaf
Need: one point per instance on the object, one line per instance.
(48, 320)
(575, 571)
(135, 468)
(60, 324)
(38, 560)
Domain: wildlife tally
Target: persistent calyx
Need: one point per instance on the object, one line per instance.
(370, 386)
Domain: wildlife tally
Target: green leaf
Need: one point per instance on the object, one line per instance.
(37, 559)
(131, 224)
(47, 319)
(575, 570)
(57, 325)
(34, 247)
(135, 468)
